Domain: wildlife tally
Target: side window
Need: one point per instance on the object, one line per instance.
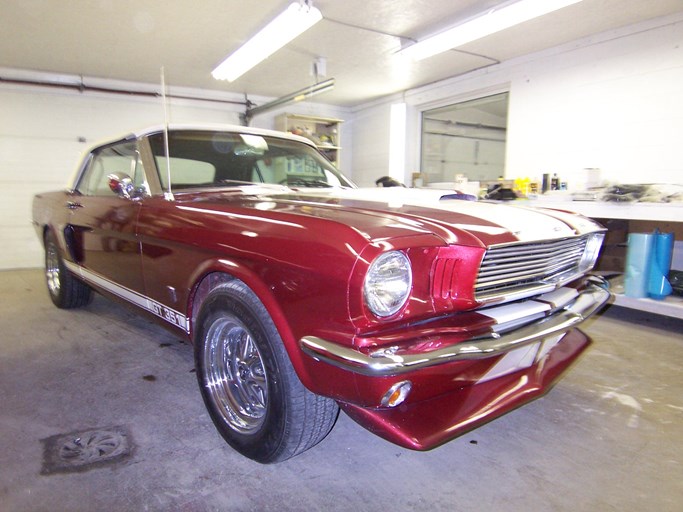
(120, 158)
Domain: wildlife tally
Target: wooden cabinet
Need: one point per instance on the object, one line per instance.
(323, 131)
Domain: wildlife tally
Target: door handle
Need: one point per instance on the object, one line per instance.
(72, 205)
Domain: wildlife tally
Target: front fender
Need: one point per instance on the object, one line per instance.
(213, 272)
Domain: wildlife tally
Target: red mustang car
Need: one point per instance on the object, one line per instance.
(420, 316)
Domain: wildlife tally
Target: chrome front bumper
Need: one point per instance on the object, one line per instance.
(394, 361)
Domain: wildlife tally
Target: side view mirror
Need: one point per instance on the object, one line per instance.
(122, 185)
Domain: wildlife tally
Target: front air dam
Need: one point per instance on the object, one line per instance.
(427, 424)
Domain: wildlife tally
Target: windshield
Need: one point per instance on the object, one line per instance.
(216, 158)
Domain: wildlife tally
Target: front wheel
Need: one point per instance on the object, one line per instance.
(252, 393)
(65, 290)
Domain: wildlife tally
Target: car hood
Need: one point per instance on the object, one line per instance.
(383, 213)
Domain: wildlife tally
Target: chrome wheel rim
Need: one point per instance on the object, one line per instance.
(234, 375)
(52, 270)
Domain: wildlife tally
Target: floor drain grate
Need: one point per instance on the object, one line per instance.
(84, 450)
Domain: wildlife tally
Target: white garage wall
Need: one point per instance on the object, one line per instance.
(371, 133)
(40, 144)
(613, 101)
(40, 148)
(615, 105)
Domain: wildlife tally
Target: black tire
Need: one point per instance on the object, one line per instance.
(65, 290)
(252, 393)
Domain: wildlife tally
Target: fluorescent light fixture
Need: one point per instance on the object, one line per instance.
(295, 20)
(487, 23)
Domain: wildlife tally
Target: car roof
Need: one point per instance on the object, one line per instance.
(228, 128)
(214, 127)
(221, 128)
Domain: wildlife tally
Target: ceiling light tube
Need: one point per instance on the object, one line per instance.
(487, 23)
(296, 19)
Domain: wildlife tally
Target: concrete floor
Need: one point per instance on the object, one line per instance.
(609, 437)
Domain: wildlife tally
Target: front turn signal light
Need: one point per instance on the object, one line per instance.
(397, 394)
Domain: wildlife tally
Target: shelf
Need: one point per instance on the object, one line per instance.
(671, 306)
(662, 212)
(626, 218)
(316, 129)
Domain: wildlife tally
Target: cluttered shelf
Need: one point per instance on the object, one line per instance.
(622, 218)
(324, 132)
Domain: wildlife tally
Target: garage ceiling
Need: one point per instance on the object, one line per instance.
(132, 39)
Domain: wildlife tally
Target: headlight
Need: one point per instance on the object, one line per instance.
(591, 251)
(387, 284)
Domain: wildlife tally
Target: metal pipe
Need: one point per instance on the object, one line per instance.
(81, 87)
(299, 95)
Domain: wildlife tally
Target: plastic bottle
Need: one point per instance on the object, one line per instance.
(526, 186)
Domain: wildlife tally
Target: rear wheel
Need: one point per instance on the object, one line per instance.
(65, 290)
(248, 384)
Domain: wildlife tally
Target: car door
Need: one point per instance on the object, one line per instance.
(103, 223)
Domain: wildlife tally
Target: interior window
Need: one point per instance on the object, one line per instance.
(465, 139)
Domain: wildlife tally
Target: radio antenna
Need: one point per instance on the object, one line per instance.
(167, 194)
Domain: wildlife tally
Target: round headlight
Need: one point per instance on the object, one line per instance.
(387, 284)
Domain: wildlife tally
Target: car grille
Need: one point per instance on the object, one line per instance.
(517, 270)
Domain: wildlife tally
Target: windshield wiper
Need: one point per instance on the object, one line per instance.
(308, 183)
(236, 182)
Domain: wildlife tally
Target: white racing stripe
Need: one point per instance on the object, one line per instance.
(521, 358)
(164, 312)
(526, 224)
(517, 359)
(511, 315)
